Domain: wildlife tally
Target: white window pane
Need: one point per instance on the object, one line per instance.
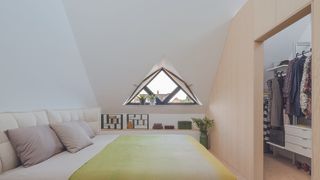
(143, 92)
(162, 85)
(180, 97)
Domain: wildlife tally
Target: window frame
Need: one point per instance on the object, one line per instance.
(166, 101)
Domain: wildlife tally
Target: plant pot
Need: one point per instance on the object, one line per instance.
(152, 101)
(142, 101)
(204, 139)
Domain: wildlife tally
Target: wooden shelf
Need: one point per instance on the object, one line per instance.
(154, 130)
(191, 132)
(277, 67)
(276, 145)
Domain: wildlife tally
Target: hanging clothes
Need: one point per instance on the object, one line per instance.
(276, 104)
(296, 85)
(287, 86)
(266, 119)
(286, 118)
(281, 80)
(266, 123)
(305, 90)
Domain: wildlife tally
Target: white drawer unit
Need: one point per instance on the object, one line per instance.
(304, 142)
(299, 149)
(298, 139)
(299, 131)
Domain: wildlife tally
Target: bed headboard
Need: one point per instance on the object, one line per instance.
(8, 158)
(92, 116)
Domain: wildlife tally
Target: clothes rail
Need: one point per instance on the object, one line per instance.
(304, 53)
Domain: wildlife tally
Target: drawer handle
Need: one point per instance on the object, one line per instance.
(304, 138)
(304, 147)
(304, 130)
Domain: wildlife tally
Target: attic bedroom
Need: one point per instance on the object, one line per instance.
(141, 90)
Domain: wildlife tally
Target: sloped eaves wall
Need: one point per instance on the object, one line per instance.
(40, 65)
(231, 102)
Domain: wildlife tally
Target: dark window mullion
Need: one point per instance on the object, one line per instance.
(148, 90)
(151, 93)
(156, 73)
(171, 95)
(192, 95)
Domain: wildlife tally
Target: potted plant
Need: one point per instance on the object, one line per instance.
(152, 98)
(203, 124)
(142, 98)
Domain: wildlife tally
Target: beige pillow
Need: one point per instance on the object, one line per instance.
(85, 126)
(72, 136)
(34, 144)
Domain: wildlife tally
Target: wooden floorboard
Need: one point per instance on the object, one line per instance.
(280, 168)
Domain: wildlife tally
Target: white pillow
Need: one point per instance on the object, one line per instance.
(72, 136)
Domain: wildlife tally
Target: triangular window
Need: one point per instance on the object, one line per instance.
(162, 87)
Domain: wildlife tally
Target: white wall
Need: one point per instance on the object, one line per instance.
(165, 119)
(40, 66)
(120, 41)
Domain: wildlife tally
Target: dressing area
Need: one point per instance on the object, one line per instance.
(287, 102)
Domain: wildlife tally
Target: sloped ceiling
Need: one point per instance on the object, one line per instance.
(121, 40)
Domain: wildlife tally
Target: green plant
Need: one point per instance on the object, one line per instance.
(152, 97)
(203, 123)
(142, 98)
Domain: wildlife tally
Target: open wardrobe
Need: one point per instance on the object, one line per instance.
(287, 103)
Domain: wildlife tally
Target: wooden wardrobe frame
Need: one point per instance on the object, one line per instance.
(312, 8)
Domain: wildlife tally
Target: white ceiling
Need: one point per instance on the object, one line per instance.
(121, 40)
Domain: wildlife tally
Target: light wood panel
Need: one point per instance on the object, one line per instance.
(231, 104)
(269, 14)
(305, 10)
(264, 16)
(237, 94)
(286, 9)
(281, 168)
(258, 110)
(316, 90)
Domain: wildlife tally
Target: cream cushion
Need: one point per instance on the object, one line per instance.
(72, 136)
(34, 144)
(8, 158)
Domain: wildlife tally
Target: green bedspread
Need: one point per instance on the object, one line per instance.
(153, 157)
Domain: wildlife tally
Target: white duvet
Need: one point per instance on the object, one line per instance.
(60, 166)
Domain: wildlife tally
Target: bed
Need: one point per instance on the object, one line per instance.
(60, 166)
(160, 157)
(111, 156)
